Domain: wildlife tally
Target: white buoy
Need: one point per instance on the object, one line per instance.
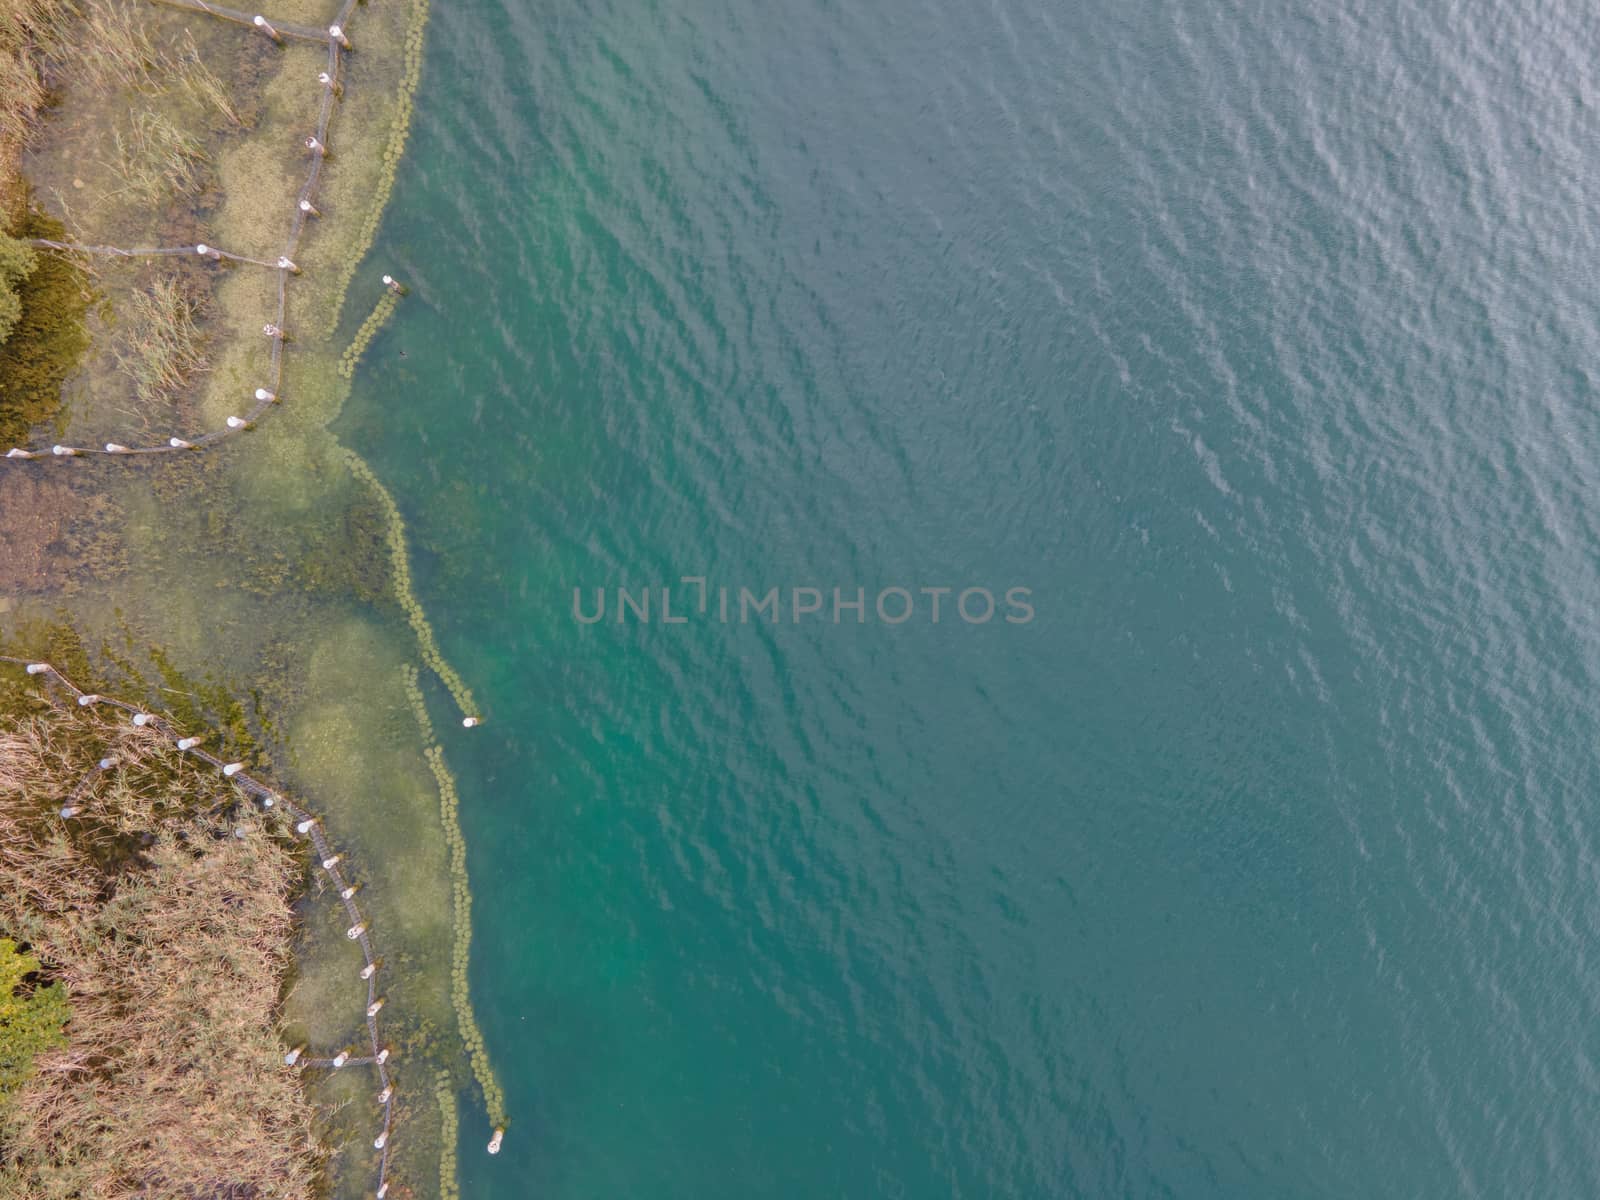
(471, 722)
(393, 284)
(285, 263)
(347, 893)
(272, 331)
(37, 668)
(306, 206)
(232, 769)
(315, 146)
(382, 1140)
(238, 423)
(355, 931)
(265, 27)
(305, 826)
(240, 832)
(331, 862)
(383, 1096)
(106, 763)
(70, 811)
(180, 444)
(142, 719)
(383, 1192)
(340, 1059)
(64, 451)
(205, 251)
(188, 743)
(115, 448)
(263, 395)
(337, 34)
(372, 1009)
(383, 1056)
(87, 699)
(293, 1056)
(494, 1142)
(366, 971)
(17, 452)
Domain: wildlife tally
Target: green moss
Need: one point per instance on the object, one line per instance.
(137, 671)
(54, 641)
(49, 339)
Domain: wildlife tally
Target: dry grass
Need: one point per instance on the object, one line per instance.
(111, 47)
(171, 935)
(21, 93)
(162, 348)
(24, 38)
(201, 82)
(105, 43)
(156, 160)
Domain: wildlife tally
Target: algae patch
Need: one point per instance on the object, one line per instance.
(494, 1099)
(375, 321)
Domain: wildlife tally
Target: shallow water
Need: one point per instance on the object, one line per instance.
(1252, 339)
(257, 570)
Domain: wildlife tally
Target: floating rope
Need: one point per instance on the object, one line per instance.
(307, 825)
(401, 565)
(204, 251)
(289, 29)
(494, 1099)
(398, 133)
(376, 319)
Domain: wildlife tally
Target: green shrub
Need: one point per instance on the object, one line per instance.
(49, 339)
(17, 261)
(31, 1017)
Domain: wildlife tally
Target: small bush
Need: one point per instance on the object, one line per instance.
(17, 261)
(48, 340)
(31, 1016)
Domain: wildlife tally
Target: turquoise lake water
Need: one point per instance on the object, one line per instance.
(1255, 339)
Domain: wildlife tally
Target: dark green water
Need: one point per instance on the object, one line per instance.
(1255, 339)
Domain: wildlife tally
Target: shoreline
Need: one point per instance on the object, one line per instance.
(300, 615)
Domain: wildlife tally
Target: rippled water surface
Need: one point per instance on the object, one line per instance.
(1254, 339)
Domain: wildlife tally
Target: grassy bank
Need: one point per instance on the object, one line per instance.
(159, 913)
(25, 29)
(266, 565)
